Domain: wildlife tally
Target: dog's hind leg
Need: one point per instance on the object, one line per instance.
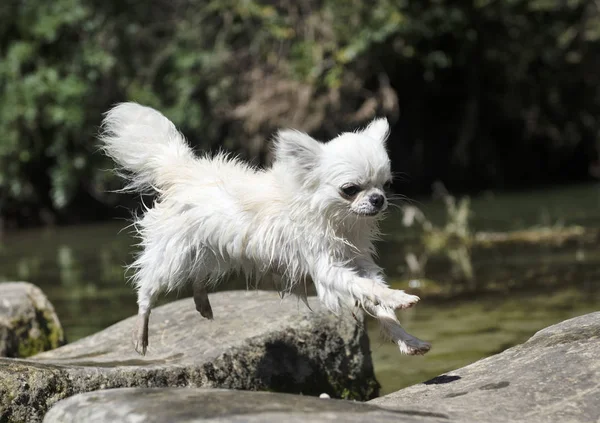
(201, 299)
(146, 299)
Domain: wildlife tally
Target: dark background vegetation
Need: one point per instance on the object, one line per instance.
(482, 94)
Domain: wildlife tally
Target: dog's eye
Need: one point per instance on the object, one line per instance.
(387, 185)
(350, 190)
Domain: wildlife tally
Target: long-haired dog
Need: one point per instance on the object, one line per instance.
(312, 216)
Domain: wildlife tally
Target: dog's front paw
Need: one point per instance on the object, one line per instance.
(398, 300)
(413, 346)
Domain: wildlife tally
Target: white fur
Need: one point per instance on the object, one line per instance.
(217, 215)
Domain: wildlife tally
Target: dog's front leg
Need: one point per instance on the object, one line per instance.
(387, 297)
(367, 287)
(339, 285)
(391, 328)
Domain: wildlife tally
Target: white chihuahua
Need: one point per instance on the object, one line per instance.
(312, 215)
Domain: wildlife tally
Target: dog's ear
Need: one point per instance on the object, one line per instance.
(378, 129)
(297, 148)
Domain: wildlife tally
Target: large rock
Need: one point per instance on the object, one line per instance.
(28, 323)
(168, 405)
(256, 342)
(553, 377)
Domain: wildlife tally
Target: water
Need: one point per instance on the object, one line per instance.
(519, 287)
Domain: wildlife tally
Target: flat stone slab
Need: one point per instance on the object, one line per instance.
(256, 342)
(28, 322)
(553, 377)
(169, 405)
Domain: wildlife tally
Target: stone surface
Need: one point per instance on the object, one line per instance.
(28, 323)
(553, 377)
(168, 405)
(256, 342)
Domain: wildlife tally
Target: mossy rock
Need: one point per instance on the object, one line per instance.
(256, 342)
(28, 323)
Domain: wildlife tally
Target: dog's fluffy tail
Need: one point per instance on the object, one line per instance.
(145, 144)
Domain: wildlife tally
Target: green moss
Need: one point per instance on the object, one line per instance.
(363, 391)
(30, 346)
(28, 389)
(50, 334)
(54, 332)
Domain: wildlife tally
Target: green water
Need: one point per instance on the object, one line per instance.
(518, 288)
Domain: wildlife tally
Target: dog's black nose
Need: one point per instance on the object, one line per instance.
(376, 200)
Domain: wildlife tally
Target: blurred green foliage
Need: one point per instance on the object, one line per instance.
(479, 89)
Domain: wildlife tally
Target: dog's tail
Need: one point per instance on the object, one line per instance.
(145, 144)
